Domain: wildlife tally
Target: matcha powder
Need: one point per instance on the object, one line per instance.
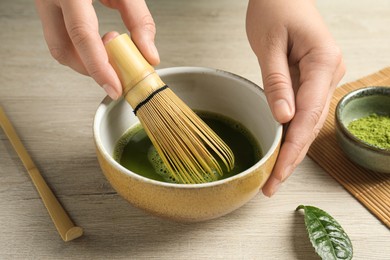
(373, 129)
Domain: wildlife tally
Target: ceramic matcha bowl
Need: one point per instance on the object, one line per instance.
(357, 104)
(202, 89)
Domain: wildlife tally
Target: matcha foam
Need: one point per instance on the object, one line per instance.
(135, 151)
(158, 165)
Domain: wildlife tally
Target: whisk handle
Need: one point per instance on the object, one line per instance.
(127, 62)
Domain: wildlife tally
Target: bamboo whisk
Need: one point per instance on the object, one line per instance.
(188, 147)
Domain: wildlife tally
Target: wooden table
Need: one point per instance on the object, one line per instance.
(52, 108)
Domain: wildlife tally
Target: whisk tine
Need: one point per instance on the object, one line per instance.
(206, 132)
(187, 146)
(189, 142)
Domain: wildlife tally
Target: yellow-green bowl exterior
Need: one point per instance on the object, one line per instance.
(200, 88)
(191, 203)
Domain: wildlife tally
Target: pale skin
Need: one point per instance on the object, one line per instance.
(300, 63)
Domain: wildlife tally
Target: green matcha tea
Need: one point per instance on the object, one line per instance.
(135, 151)
(373, 129)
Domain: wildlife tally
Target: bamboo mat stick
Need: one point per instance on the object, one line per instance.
(62, 222)
(370, 188)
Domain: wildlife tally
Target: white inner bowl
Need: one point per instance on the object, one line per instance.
(201, 89)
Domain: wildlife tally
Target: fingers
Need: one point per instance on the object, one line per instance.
(276, 76)
(56, 36)
(298, 60)
(278, 87)
(71, 32)
(109, 36)
(82, 27)
(268, 36)
(320, 73)
(139, 21)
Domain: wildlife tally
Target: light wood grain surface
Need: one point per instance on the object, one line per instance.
(52, 109)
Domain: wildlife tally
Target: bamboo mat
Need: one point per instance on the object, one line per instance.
(372, 189)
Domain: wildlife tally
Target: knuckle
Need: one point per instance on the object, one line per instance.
(296, 146)
(329, 56)
(335, 55)
(275, 83)
(148, 24)
(79, 32)
(314, 115)
(145, 24)
(95, 69)
(59, 53)
(310, 116)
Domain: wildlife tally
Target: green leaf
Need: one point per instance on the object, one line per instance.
(326, 235)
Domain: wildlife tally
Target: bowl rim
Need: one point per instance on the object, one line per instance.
(107, 104)
(364, 92)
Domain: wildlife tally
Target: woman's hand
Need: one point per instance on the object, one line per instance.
(71, 32)
(301, 66)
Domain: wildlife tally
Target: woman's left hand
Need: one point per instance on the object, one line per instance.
(301, 66)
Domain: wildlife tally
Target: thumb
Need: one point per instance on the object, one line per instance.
(140, 23)
(277, 83)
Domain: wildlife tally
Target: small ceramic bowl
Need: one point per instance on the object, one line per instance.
(354, 105)
(202, 89)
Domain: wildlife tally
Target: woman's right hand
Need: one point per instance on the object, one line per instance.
(71, 32)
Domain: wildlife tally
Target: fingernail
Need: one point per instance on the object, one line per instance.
(282, 110)
(110, 91)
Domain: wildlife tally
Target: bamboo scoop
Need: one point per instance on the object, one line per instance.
(63, 223)
(188, 147)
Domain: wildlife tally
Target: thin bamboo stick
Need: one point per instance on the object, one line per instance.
(65, 227)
